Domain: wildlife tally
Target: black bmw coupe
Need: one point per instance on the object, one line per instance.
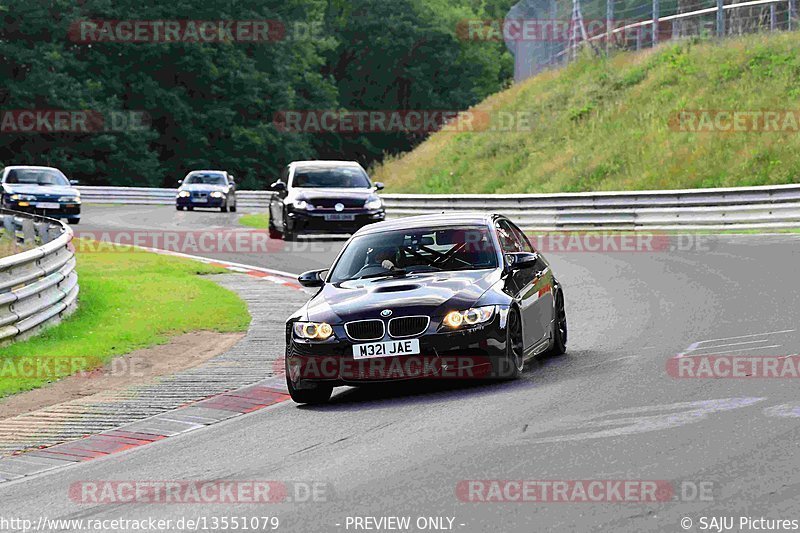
(453, 296)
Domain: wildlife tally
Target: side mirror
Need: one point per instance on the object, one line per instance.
(278, 186)
(180, 182)
(312, 278)
(74, 182)
(379, 186)
(232, 178)
(520, 260)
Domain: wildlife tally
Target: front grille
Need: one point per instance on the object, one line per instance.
(329, 203)
(365, 330)
(199, 194)
(408, 326)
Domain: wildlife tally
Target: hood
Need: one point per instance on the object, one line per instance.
(432, 294)
(28, 188)
(200, 187)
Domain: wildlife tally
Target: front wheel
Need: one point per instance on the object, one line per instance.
(74, 221)
(318, 395)
(510, 366)
(559, 327)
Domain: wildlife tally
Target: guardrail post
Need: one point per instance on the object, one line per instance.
(792, 13)
(720, 18)
(609, 23)
(656, 8)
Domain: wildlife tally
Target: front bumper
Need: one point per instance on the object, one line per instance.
(190, 201)
(64, 210)
(455, 355)
(315, 221)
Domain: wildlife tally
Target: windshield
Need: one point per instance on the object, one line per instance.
(37, 177)
(205, 179)
(332, 177)
(406, 251)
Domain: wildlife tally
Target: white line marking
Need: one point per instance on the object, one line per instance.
(747, 336)
(726, 352)
(729, 344)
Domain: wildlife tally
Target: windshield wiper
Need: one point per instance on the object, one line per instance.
(395, 272)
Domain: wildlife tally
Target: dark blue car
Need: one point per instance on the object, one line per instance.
(207, 188)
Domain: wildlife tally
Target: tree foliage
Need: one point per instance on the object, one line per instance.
(212, 105)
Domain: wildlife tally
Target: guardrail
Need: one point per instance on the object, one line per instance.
(38, 286)
(775, 206)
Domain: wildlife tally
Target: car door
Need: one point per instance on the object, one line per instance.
(276, 201)
(543, 308)
(522, 284)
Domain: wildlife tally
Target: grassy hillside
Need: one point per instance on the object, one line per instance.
(605, 125)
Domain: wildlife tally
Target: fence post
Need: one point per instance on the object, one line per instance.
(720, 19)
(655, 22)
(792, 13)
(772, 19)
(609, 23)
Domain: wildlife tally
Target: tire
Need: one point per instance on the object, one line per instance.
(320, 394)
(273, 233)
(288, 235)
(224, 207)
(74, 221)
(233, 207)
(190, 208)
(510, 367)
(178, 208)
(559, 327)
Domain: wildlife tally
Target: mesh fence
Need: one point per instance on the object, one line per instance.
(548, 33)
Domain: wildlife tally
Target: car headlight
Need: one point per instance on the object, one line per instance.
(217, 194)
(373, 202)
(70, 199)
(470, 317)
(300, 204)
(313, 330)
(184, 194)
(22, 198)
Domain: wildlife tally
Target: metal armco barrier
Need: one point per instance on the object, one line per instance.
(38, 286)
(775, 206)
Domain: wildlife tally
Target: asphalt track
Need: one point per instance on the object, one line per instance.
(607, 410)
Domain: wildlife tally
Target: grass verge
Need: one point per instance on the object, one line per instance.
(255, 220)
(613, 124)
(128, 300)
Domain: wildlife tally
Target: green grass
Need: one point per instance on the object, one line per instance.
(128, 300)
(255, 220)
(604, 124)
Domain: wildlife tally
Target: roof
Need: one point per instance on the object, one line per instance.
(322, 163)
(27, 167)
(426, 221)
(200, 171)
